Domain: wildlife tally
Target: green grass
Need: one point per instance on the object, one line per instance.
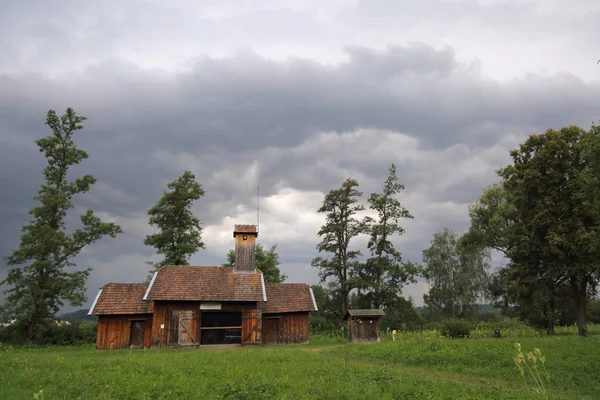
(411, 368)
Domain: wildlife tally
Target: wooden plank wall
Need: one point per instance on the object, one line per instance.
(244, 252)
(114, 330)
(164, 309)
(362, 330)
(293, 328)
(251, 327)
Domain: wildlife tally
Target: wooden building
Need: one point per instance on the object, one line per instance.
(285, 314)
(199, 305)
(364, 325)
(124, 319)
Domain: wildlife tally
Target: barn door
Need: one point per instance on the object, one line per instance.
(188, 329)
(270, 330)
(136, 335)
(251, 327)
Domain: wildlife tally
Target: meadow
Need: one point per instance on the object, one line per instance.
(418, 365)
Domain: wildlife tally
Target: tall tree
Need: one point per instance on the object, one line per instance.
(456, 272)
(267, 261)
(180, 232)
(554, 239)
(42, 282)
(341, 226)
(384, 274)
(538, 303)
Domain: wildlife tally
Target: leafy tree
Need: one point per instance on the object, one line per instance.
(401, 314)
(328, 317)
(42, 282)
(341, 226)
(180, 233)
(267, 261)
(553, 239)
(456, 271)
(491, 218)
(383, 275)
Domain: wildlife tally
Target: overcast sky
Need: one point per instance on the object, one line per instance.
(295, 96)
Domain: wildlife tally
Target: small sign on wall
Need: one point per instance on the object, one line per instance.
(210, 306)
(162, 326)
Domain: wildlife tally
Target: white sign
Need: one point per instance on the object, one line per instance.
(210, 306)
(162, 326)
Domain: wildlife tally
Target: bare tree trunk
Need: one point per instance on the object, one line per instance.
(579, 290)
(31, 330)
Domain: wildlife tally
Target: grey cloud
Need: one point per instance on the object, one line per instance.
(227, 113)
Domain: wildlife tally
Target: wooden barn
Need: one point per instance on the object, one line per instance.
(201, 305)
(364, 325)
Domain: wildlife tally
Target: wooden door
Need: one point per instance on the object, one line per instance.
(136, 335)
(251, 327)
(188, 329)
(271, 330)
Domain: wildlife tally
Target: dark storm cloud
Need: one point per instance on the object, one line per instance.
(228, 113)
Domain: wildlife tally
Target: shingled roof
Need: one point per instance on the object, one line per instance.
(121, 298)
(195, 283)
(288, 297)
(374, 312)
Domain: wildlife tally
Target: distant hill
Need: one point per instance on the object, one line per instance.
(79, 315)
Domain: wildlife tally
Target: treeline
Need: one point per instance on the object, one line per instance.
(543, 216)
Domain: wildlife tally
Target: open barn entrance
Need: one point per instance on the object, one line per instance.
(218, 327)
(136, 333)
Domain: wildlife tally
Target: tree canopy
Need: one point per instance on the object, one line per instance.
(43, 277)
(342, 225)
(553, 239)
(179, 233)
(384, 274)
(457, 273)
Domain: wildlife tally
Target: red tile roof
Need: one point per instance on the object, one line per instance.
(122, 298)
(183, 282)
(288, 297)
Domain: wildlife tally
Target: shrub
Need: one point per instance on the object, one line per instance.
(456, 328)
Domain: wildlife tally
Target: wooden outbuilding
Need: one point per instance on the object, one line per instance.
(124, 319)
(203, 305)
(364, 325)
(285, 314)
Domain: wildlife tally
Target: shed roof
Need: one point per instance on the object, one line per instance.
(245, 229)
(121, 298)
(196, 283)
(371, 312)
(288, 297)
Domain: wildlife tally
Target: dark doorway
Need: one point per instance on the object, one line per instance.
(221, 327)
(136, 336)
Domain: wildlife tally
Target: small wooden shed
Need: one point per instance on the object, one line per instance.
(364, 325)
(285, 314)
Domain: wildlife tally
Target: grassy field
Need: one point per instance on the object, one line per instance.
(419, 366)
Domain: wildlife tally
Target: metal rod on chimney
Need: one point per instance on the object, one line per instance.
(257, 207)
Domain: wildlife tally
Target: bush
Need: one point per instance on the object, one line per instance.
(81, 332)
(456, 328)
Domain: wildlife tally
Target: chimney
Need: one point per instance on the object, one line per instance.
(245, 238)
